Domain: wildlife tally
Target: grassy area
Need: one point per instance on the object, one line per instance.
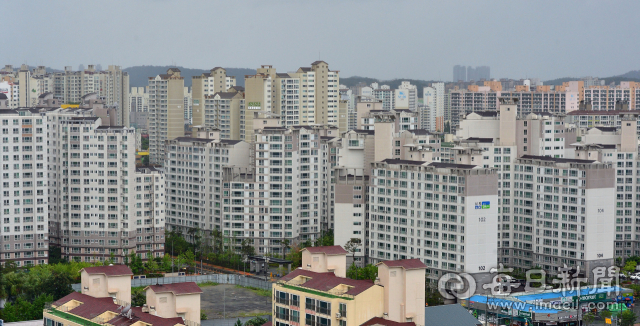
(260, 292)
(255, 314)
(208, 284)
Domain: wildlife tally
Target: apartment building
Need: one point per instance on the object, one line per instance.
(432, 109)
(403, 119)
(619, 147)
(286, 194)
(559, 211)
(587, 119)
(308, 96)
(485, 98)
(226, 111)
(406, 96)
(188, 106)
(69, 86)
(357, 151)
(99, 204)
(25, 232)
(451, 225)
(215, 81)
(139, 99)
(194, 174)
(603, 98)
(387, 96)
(317, 295)
(166, 112)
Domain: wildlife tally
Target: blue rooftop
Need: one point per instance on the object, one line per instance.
(553, 295)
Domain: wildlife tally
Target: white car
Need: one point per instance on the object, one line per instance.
(635, 276)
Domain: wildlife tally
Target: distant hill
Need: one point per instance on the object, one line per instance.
(394, 83)
(139, 75)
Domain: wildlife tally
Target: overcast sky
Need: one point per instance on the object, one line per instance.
(383, 39)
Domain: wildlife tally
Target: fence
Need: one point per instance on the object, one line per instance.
(217, 278)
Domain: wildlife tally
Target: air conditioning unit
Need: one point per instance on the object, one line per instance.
(338, 315)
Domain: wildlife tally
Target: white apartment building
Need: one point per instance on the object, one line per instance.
(166, 112)
(619, 147)
(445, 214)
(23, 186)
(194, 174)
(97, 207)
(587, 119)
(484, 99)
(277, 190)
(387, 96)
(603, 98)
(432, 109)
(139, 99)
(188, 106)
(287, 196)
(406, 96)
(558, 211)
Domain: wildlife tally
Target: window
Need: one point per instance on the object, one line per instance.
(343, 310)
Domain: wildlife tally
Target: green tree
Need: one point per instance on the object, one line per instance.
(166, 263)
(256, 321)
(203, 316)
(138, 296)
(238, 323)
(447, 127)
(352, 246)
(629, 267)
(627, 318)
(145, 143)
(285, 245)
(605, 314)
(352, 272)
(135, 263)
(247, 249)
(326, 239)
(588, 318)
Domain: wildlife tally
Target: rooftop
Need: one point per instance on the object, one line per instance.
(328, 250)
(114, 270)
(405, 263)
(385, 322)
(176, 288)
(452, 165)
(449, 315)
(92, 307)
(555, 159)
(396, 161)
(325, 282)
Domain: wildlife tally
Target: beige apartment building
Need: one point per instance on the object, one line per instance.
(166, 112)
(317, 293)
(307, 96)
(207, 84)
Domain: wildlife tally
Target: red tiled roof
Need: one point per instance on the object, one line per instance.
(405, 263)
(176, 288)
(115, 270)
(327, 281)
(328, 250)
(267, 324)
(92, 307)
(386, 322)
(146, 318)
